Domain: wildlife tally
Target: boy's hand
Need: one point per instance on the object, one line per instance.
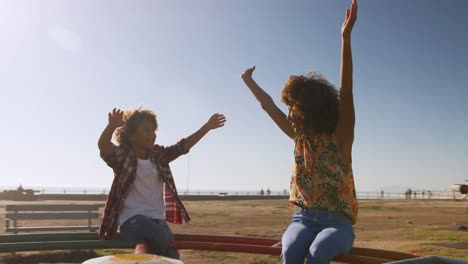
(116, 118)
(248, 73)
(215, 121)
(350, 19)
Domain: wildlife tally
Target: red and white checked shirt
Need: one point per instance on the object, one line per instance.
(124, 163)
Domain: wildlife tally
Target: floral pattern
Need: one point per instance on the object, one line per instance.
(321, 178)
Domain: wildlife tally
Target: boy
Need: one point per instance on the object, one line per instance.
(143, 193)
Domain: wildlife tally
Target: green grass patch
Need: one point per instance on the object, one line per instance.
(436, 235)
(435, 251)
(264, 260)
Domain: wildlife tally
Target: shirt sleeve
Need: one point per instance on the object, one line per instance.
(116, 159)
(170, 153)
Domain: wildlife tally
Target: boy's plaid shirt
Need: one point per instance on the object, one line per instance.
(124, 163)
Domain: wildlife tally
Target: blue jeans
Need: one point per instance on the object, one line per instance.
(155, 232)
(318, 234)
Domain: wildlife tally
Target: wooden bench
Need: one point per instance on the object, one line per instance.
(16, 213)
(265, 246)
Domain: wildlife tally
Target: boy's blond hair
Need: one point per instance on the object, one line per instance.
(132, 118)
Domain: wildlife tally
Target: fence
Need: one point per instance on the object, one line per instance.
(439, 194)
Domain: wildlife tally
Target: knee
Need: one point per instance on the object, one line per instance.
(160, 244)
(323, 253)
(292, 252)
(319, 254)
(173, 253)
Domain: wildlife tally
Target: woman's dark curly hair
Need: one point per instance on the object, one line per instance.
(314, 102)
(133, 118)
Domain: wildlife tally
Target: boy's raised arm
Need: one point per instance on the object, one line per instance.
(105, 140)
(168, 154)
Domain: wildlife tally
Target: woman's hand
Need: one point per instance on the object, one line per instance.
(350, 19)
(248, 73)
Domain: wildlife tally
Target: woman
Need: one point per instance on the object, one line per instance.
(321, 122)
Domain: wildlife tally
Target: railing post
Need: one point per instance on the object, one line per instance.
(15, 224)
(89, 221)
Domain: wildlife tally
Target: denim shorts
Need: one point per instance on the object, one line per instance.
(155, 232)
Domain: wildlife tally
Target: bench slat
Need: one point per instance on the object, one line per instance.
(52, 207)
(50, 216)
(227, 239)
(63, 245)
(381, 253)
(50, 228)
(35, 237)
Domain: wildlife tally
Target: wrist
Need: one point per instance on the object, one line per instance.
(206, 128)
(111, 127)
(246, 78)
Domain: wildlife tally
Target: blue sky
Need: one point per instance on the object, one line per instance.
(65, 64)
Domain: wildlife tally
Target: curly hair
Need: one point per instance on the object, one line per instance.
(314, 102)
(133, 118)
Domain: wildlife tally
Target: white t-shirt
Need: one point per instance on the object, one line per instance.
(145, 196)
